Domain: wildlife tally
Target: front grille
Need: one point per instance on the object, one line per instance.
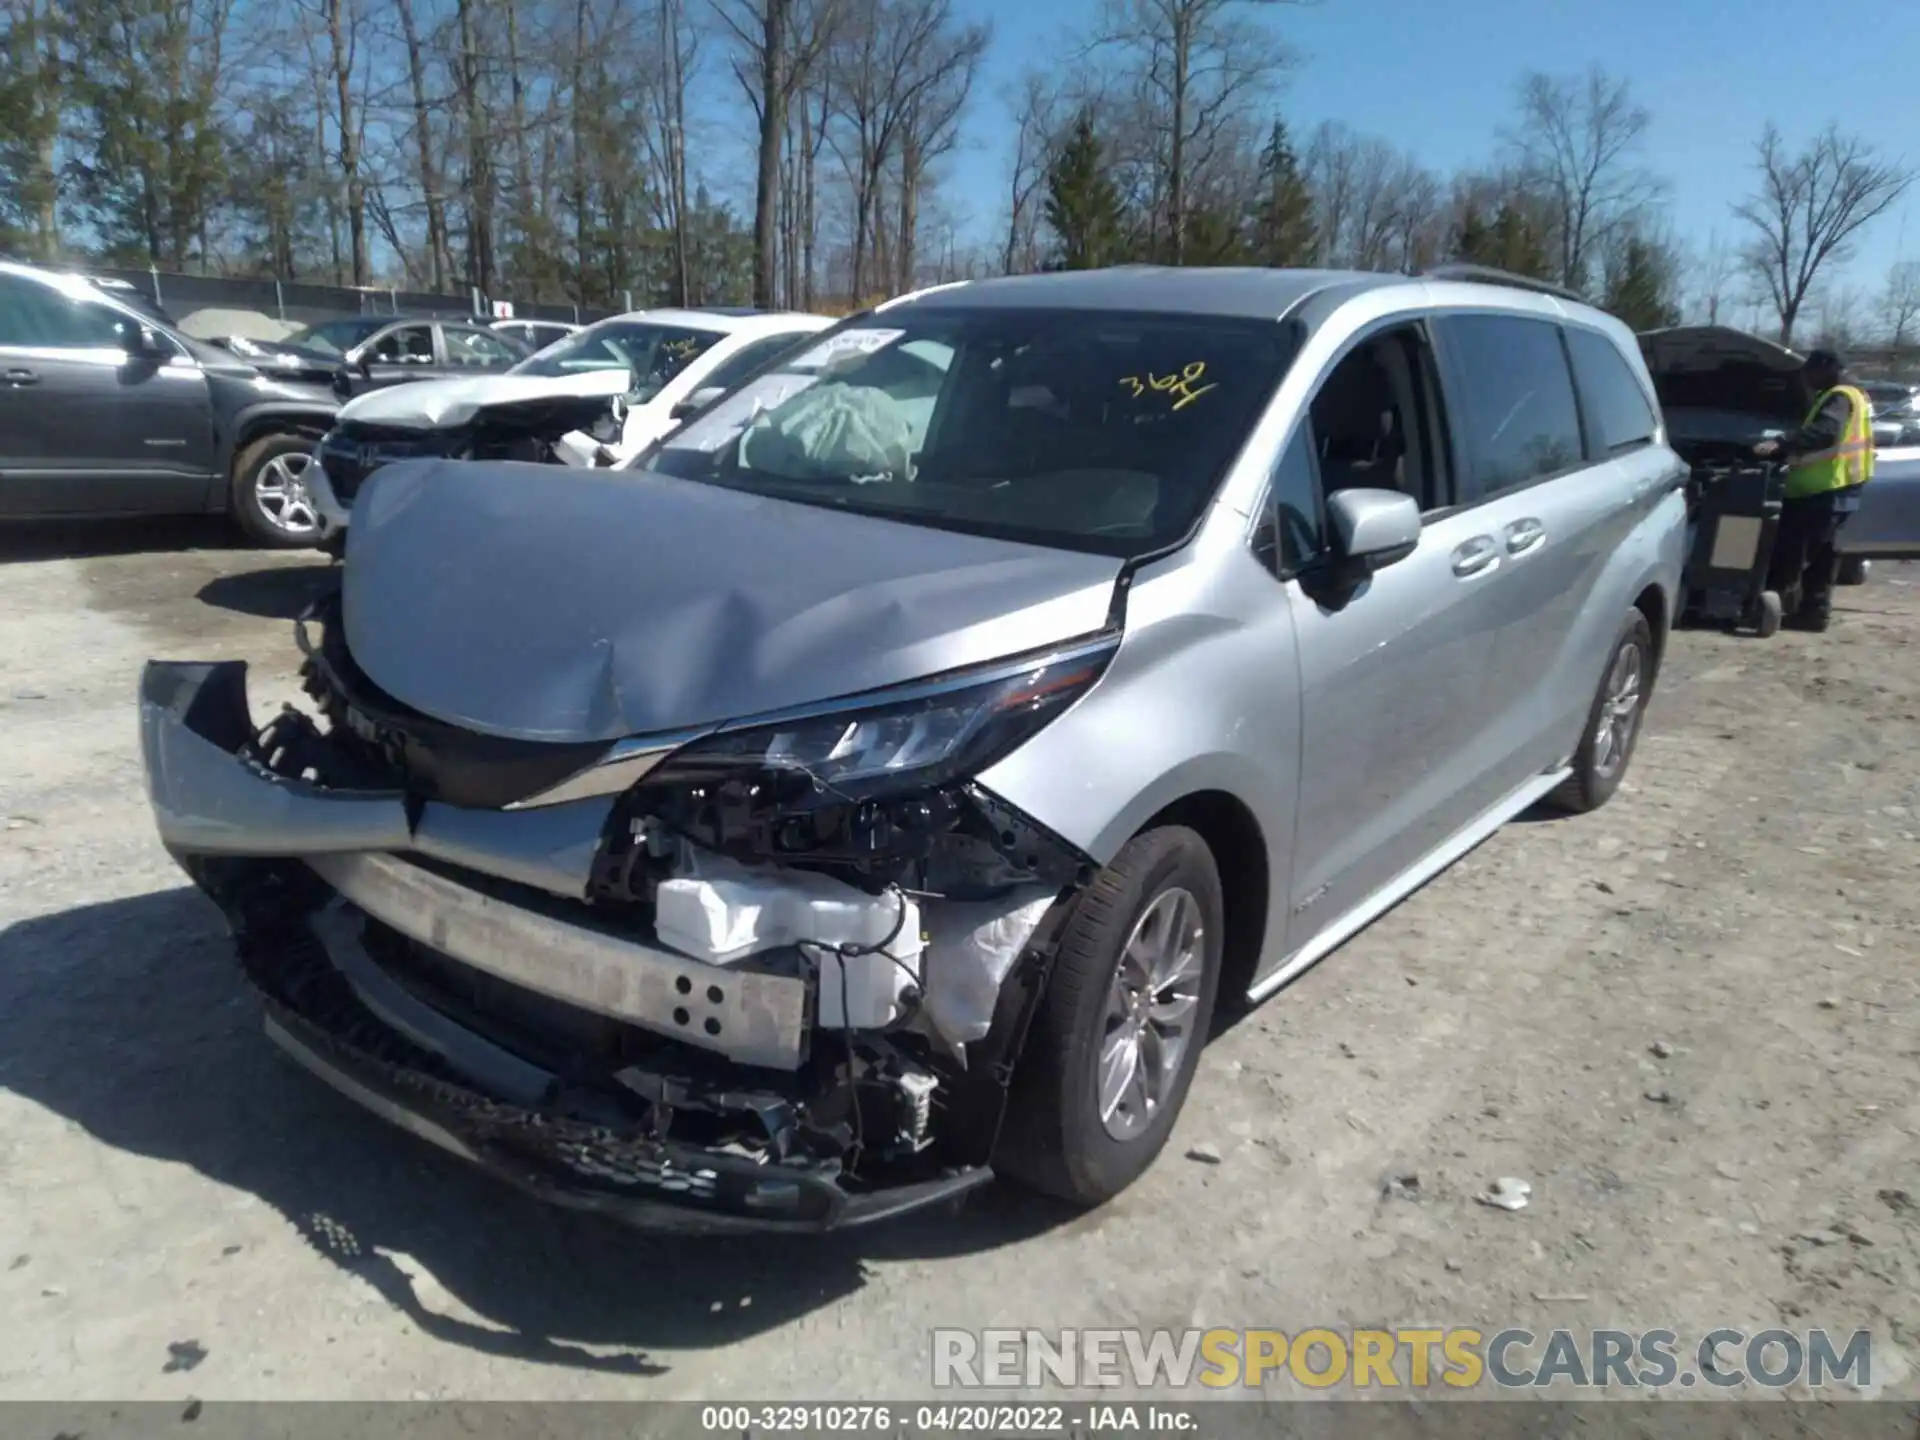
(350, 453)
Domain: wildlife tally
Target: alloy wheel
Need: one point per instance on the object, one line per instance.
(280, 491)
(1150, 1012)
(1620, 709)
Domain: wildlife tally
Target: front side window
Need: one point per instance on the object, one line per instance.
(476, 349)
(651, 354)
(335, 337)
(1619, 417)
(407, 345)
(1089, 431)
(1514, 415)
(40, 317)
(1295, 499)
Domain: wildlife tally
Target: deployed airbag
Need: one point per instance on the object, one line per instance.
(832, 432)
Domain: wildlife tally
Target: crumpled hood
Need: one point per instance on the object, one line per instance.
(430, 404)
(541, 603)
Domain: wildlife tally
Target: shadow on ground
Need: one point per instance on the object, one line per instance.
(129, 1019)
(76, 539)
(279, 593)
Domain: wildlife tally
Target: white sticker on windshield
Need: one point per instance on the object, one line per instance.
(839, 347)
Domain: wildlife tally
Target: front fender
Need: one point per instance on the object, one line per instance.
(247, 423)
(1203, 695)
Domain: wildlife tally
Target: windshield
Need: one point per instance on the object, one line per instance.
(1084, 430)
(337, 337)
(651, 354)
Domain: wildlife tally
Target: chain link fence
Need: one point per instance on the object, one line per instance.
(296, 302)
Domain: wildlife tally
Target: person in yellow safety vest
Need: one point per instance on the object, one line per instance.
(1828, 459)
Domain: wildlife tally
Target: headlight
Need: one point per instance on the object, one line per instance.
(932, 734)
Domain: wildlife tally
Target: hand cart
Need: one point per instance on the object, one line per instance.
(1733, 514)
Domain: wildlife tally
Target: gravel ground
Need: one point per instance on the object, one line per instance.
(1688, 1020)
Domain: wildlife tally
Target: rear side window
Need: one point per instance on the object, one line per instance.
(1513, 413)
(1618, 416)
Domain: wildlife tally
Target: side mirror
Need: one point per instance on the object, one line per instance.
(697, 401)
(1373, 528)
(141, 342)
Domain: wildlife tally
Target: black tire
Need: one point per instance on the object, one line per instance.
(1854, 570)
(1767, 615)
(1054, 1140)
(1594, 777)
(248, 513)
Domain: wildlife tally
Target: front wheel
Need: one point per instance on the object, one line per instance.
(1613, 722)
(271, 502)
(1767, 615)
(1854, 570)
(1114, 1048)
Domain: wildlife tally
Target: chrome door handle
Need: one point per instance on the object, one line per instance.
(1523, 535)
(1475, 555)
(20, 377)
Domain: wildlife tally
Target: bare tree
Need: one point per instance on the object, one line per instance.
(1197, 63)
(479, 187)
(901, 69)
(931, 129)
(1035, 125)
(1714, 268)
(1378, 209)
(1578, 137)
(1900, 301)
(677, 56)
(1809, 209)
(439, 259)
(1836, 318)
(777, 43)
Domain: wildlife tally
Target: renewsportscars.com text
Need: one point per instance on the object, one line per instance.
(1410, 1358)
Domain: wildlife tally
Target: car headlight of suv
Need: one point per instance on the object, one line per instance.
(917, 737)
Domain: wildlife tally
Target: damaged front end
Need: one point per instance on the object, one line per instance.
(767, 975)
(527, 430)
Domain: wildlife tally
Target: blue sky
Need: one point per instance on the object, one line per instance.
(1437, 78)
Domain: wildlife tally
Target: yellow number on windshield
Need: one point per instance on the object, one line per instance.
(1179, 384)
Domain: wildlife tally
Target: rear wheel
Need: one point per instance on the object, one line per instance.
(1613, 723)
(1854, 570)
(1115, 1045)
(1767, 614)
(270, 499)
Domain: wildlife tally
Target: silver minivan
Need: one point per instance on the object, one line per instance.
(876, 787)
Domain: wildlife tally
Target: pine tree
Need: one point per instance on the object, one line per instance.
(1520, 247)
(1473, 245)
(1283, 221)
(1639, 292)
(1083, 208)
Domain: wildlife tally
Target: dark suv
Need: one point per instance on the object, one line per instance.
(105, 410)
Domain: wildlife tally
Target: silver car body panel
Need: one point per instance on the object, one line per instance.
(208, 801)
(1365, 742)
(564, 605)
(1887, 524)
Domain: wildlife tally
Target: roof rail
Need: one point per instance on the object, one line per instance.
(1488, 275)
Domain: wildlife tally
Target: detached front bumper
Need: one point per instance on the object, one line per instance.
(300, 871)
